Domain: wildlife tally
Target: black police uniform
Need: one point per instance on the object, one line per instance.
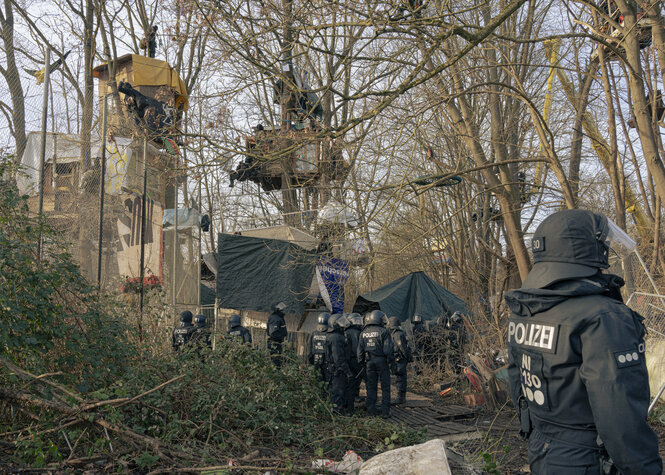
(240, 333)
(576, 360)
(276, 330)
(316, 354)
(403, 356)
(418, 337)
(337, 356)
(577, 371)
(375, 351)
(353, 388)
(181, 336)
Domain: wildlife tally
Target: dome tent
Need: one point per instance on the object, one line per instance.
(414, 293)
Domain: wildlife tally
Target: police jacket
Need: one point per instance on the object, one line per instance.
(400, 346)
(374, 341)
(576, 358)
(276, 328)
(316, 353)
(352, 336)
(337, 354)
(181, 335)
(241, 333)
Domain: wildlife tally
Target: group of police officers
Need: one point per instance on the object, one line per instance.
(345, 349)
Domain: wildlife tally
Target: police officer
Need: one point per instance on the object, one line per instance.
(237, 331)
(403, 356)
(276, 330)
(183, 332)
(337, 356)
(577, 370)
(316, 354)
(457, 339)
(352, 333)
(375, 352)
(418, 330)
(201, 336)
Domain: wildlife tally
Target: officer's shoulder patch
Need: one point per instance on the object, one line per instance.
(626, 358)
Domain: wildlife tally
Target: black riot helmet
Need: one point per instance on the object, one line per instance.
(186, 317)
(343, 321)
(572, 244)
(332, 322)
(279, 307)
(355, 319)
(375, 317)
(417, 319)
(234, 320)
(323, 318)
(200, 320)
(394, 322)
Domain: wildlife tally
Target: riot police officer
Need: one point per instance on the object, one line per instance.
(457, 339)
(237, 331)
(352, 333)
(276, 330)
(316, 354)
(201, 336)
(183, 332)
(418, 330)
(375, 351)
(337, 356)
(577, 369)
(402, 357)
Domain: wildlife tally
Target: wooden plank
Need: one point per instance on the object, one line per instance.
(452, 412)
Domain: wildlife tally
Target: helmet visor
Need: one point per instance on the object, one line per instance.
(617, 239)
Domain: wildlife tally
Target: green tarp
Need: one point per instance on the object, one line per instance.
(411, 294)
(253, 273)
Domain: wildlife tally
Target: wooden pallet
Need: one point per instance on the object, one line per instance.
(423, 417)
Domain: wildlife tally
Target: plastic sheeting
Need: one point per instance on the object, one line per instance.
(336, 213)
(63, 148)
(253, 273)
(187, 218)
(414, 293)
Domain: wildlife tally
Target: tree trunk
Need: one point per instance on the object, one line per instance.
(12, 78)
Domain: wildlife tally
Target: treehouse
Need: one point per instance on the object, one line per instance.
(152, 99)
(272, 155)
(615, 36)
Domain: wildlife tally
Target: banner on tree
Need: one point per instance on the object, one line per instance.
(331, 275)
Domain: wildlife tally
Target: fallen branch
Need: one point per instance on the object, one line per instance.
(156, 388)
(42, 378)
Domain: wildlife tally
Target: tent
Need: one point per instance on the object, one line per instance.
(253, 273)
(408, 295)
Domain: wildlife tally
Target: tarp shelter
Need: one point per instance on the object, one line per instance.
(408, 295)
(284, 233)
(144, 71)
(253, 273)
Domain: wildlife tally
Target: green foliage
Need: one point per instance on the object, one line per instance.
(50, 317)
(492, 461)
(237, 399)
(37, 452)
(146, 460)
